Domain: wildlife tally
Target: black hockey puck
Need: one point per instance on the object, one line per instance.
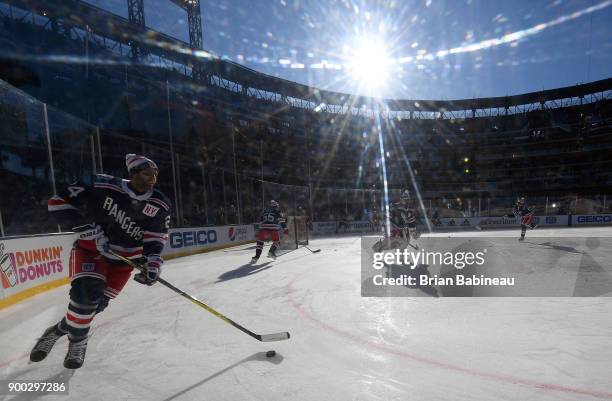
(270, 354)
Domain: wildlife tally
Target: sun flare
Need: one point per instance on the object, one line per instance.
(369, 65)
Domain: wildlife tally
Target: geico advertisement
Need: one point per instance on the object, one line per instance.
(27, 262)
(592, 219)
(184, 239)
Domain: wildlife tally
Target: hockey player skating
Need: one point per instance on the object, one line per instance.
(272, 221)
(525, 214)
(403, 224)
(374, 221)
(376, 224)
(343, 224)
(403, 219)
(129, 217)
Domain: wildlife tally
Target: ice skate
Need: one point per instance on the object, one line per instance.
(45, 343)
(76, 354)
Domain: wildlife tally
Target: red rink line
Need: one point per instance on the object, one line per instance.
(442, 365)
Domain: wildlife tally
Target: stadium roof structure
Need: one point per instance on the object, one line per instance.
(209, 69)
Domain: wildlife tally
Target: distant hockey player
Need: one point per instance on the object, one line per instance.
(130, 218)
(525, 214)
(435, 218)
(343, 224)
(272, 221)
(402, 217)
(374, 220)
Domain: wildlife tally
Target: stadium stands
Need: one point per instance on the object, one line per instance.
(240, 137)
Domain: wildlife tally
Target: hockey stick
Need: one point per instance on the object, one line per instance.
(315, 251)
(293, 250)
(261, 337)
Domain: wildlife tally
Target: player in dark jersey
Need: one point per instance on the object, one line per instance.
(525, 214)
(374, 220)
(131, 218)
(343, 224)
(435, 218)
(272, 221)
(403, 219)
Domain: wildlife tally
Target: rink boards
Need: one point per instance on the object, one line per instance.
(34, 264)
(467, 223)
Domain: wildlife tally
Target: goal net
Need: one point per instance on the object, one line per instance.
(297, 233)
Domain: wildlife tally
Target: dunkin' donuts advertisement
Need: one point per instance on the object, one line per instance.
(26, 263)
(9, 271)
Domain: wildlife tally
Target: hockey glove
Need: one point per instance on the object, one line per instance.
(152, 271)
(88, 231)
(93, 232)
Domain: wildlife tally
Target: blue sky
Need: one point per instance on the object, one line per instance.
(428, 49)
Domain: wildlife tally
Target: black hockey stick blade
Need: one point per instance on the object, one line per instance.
(313, 250)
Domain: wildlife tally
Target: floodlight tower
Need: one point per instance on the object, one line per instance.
(136, 17)
(194, 19)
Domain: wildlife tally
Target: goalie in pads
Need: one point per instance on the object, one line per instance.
(272, 221)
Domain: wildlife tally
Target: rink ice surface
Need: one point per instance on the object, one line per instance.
(152, 344)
